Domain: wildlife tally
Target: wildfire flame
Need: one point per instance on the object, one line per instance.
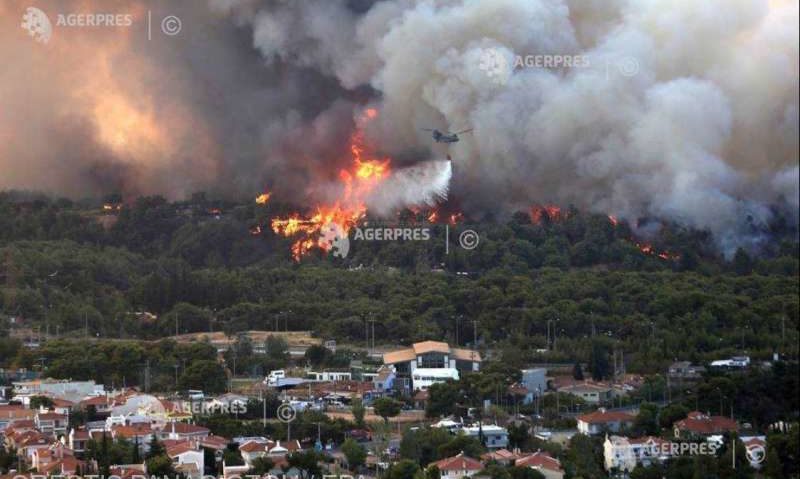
(649, 250)
(263, 198)
(550, 212)
(366, 172)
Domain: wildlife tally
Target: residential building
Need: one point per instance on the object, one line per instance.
(535, 381)
(494, 437)
(602, 420)
(589, 392)
(544, 463)
(329, 375)
(182, 430)
(12, 413)
(622, 454)
(62, 389)
(187, 458)
(275, 450)
(685, 371)
(736, 362)
(78, 439)
(457, 467)
(429, 362)
(384, 379)
(501, 456)
(698, 424)
(51, 423)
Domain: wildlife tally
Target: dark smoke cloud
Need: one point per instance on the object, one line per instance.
(703, 130)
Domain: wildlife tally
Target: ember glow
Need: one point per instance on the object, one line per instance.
(263, 198)
(540, 213)
(649, 250)
(367, 172)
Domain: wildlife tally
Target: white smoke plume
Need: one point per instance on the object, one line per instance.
(685, 110)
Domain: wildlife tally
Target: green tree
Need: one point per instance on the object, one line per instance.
(442, 399)
(205, 375)
(37, 402)
(646, 422)
(307, 462)
(277, 348)
(403, 469)
(359, 411)
(671, 413)
(387, 407)
(160, 466)
(156, 448)
(598, 361)
(316, 355)
(577, 371)
(356, 454)
(261, 466)
(516, 472)
(518, 435)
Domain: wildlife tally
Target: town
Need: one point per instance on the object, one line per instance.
(400, 239)
(428, 410)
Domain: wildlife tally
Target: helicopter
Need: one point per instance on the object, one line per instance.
(445, 137)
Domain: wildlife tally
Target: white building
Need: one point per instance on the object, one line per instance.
(436, 362)
(602, 420)
(59, 389)
(494, 437)
(622, 454)
(329, 375)
(187, 459)
(423, 378)
(458, 466)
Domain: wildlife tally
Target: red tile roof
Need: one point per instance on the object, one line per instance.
(214, 442)
(539, 460)
(699, 423)
(601, 416)
(253, 446)
(458, 463)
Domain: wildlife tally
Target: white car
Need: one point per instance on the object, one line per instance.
(274, 376)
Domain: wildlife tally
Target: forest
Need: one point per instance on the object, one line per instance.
(546, 287)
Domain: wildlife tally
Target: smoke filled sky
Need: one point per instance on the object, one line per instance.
(683, 110)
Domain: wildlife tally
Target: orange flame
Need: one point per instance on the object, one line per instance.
(263, 198)
(366, 173)
(550, 212)
(649, 250)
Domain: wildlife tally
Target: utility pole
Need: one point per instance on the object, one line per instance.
(147, 376)
(263, 407)
(372, 350)
(474, 340)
